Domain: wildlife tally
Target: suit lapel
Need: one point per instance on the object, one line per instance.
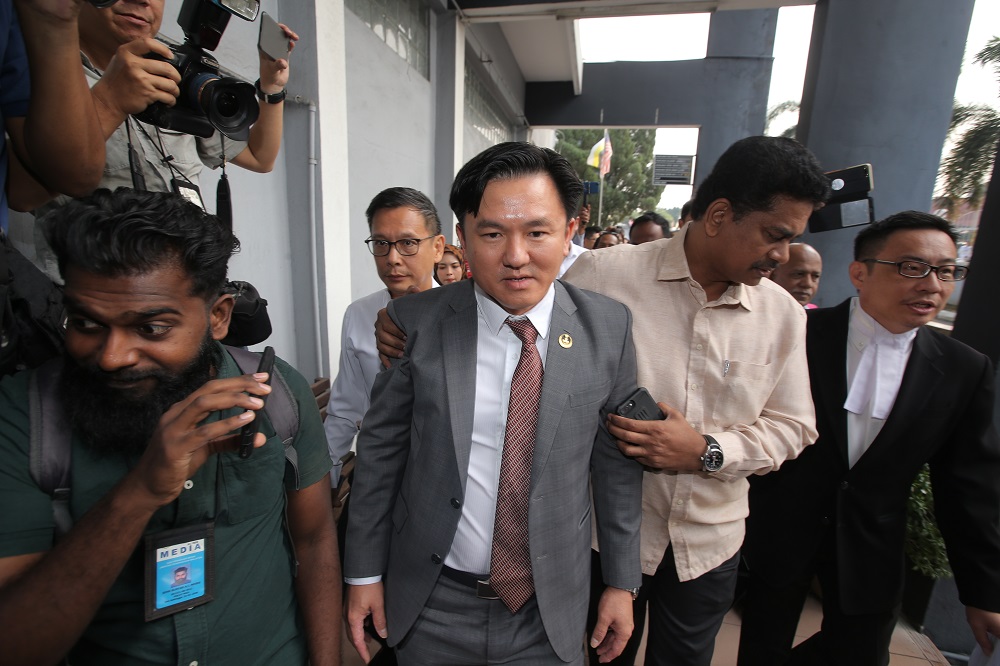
(560, 364)
(828, 369)
(459, 332)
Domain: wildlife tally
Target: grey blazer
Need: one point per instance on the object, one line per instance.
(413, 458)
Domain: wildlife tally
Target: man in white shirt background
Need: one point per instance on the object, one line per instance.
(891, 394)
(406, 243)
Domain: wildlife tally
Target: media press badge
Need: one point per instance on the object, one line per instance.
(180, 569)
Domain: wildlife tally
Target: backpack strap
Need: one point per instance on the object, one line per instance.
(281, 408)
(51, 450)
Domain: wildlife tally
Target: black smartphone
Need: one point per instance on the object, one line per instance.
(640, 406)
(249, 431)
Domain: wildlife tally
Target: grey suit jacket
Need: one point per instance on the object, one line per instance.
(413, 458)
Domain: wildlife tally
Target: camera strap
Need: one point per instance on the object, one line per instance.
(134, 165)
(179, 183)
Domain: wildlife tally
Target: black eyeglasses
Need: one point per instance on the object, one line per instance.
(405, 246)
(921, 269)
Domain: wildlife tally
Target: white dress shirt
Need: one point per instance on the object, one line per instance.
(574, 253)
(497, 353)
(878, 384)
(350, 395)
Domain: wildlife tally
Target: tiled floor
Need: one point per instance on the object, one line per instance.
(909, 648)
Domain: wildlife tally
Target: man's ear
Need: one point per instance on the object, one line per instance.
(460, 235)
(438, 248)
(570, 232)
(718, 213)
(220, 314)
(858, 272)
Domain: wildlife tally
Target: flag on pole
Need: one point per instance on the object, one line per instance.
(606, 155)
(594, 159)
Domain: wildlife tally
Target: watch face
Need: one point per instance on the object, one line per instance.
(712, 460)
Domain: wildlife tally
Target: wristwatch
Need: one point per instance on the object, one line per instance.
(269, 98)
(634, 591)
(712, 460)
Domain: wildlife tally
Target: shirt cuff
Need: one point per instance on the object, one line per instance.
(363, 581)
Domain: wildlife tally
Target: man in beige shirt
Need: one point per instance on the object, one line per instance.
(723, 352)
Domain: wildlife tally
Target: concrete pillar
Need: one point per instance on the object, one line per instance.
(736, 36)
(449, 121)
(317, 187)
(879, 89)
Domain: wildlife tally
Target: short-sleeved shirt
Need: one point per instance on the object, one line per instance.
(15, 88)
(254, 617)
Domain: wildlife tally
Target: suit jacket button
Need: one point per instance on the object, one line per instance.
(456, 503)
(825, 521)
(844, 485)
(435, 558)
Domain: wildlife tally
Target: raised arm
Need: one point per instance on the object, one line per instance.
(59, 142)
(265, 135)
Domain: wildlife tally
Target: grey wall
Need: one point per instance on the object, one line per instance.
(390, 110)
(879, 89)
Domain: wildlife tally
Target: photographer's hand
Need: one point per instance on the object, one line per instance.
(132, 82)
(274, 73)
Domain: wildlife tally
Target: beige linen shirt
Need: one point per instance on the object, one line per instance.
(735, 367)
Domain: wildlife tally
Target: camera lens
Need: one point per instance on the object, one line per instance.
(227, 105)
(230, 104)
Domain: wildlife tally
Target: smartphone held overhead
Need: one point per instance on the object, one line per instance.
(272, 40)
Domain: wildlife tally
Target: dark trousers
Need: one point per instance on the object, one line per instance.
(771, 616)
(684, 618)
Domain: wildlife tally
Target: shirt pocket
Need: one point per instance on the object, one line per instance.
(252, 486)
(746, 388)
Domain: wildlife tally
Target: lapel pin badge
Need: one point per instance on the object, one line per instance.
(565, 341)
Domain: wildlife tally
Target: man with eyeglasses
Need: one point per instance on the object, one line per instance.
(891, 394)
(407, 244)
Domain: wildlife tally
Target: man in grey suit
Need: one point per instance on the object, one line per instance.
(469, 540)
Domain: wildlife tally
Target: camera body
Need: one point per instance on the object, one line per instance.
(208, 101)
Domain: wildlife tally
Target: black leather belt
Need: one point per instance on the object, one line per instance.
(481, 584)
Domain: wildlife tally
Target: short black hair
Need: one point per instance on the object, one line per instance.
(872, 238)
(657, 219)
(509, 160)
(130, 233)
(755, 170)
(686, 208)
(593, 229)
(405, 197)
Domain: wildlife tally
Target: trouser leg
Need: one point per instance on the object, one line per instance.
(684, 618)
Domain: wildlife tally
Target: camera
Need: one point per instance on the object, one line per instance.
(208, 101)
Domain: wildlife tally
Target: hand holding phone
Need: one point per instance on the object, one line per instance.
(249, 432)
(640, 406)
(272, 39)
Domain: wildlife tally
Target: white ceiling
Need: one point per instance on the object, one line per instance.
(545, 40)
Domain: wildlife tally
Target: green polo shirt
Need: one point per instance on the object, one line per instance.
(254, 618)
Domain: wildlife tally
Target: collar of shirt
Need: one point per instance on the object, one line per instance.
(674, 266)
(496, 316)
(864, 330)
